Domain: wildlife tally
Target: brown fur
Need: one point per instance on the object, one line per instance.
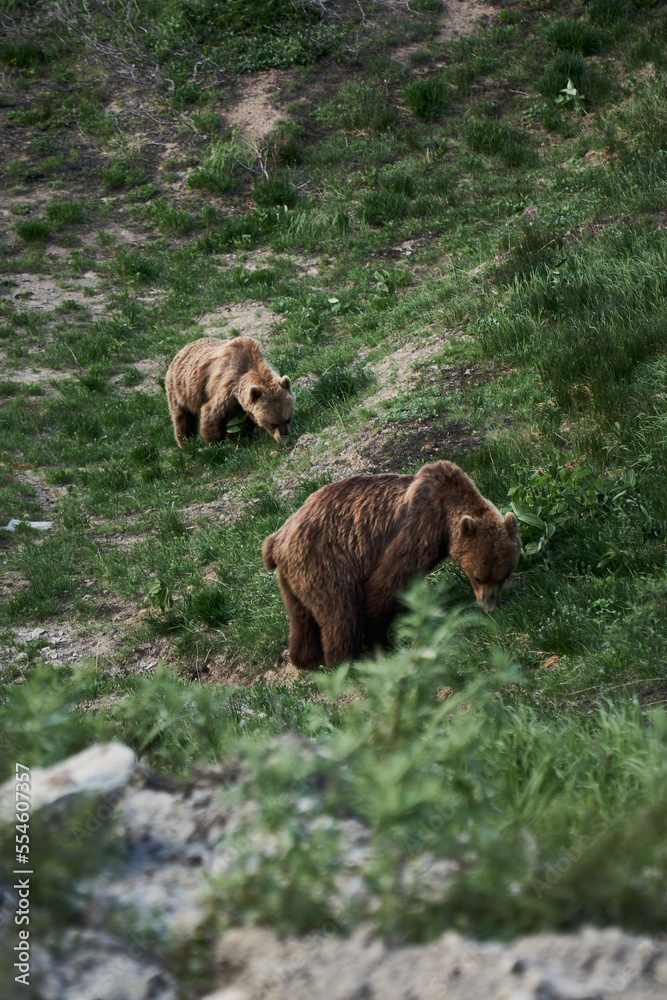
(210, 381)
(346, 555)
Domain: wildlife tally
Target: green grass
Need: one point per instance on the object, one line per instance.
(427, 99)
(33, 230)
(447, 199)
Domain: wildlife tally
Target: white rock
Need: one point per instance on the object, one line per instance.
(101, 768)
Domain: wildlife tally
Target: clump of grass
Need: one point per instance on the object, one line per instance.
(284, 144)
(65, 213)
(427, 99)
(338, 384)
(22, 53)
(567, 35)
(512, 144)
(400, 181)
(536, 249)
(123, 172)
(275, 191)
(166, 216)
(380, 207)
(134, 264)
(222, 169)
(33, 230)
(607, 13)
(360, 109)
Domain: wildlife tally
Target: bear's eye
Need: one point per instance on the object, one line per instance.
(476, 578)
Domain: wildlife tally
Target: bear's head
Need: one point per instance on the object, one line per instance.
(487, 548)
(271, 406)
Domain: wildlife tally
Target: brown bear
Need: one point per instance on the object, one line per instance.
(210, 381)
(346, 555)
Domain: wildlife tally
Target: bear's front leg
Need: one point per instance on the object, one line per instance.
(213, 423)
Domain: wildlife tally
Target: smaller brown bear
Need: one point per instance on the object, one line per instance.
(346, 555)
(210, 381)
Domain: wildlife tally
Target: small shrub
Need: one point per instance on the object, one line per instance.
(380, 207)
(573, 36)
(427, 99)
(33, 230)
(43, 145)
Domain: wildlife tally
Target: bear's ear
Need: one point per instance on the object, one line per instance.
(255, 393)
(285, 382)
(468, 525)
(510, 523)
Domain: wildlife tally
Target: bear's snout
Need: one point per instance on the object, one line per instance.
(283, 433)
(489, 598)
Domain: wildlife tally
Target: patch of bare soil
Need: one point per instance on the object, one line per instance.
(109, 640)
(389, 447)
(247, 319)
(35, 375)
(46, 495)
(11, 582)
(457, 17)
(392, 446)
(44, 294)
(255, 113)
(227, 671)
(403, 368)
(151, 369)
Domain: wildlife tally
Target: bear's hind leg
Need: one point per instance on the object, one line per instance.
(305, 640)
(185, 424)
(342, 634)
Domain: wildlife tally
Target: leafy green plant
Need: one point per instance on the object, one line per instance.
(570, 95)
(499, 794)
(546, 503)
(385, 284)
(159, 595)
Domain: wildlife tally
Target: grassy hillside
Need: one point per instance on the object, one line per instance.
(454, 244)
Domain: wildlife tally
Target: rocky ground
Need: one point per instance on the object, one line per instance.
(141, 911)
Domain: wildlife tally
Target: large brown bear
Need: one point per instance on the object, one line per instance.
(210, 381)
(346, 555)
